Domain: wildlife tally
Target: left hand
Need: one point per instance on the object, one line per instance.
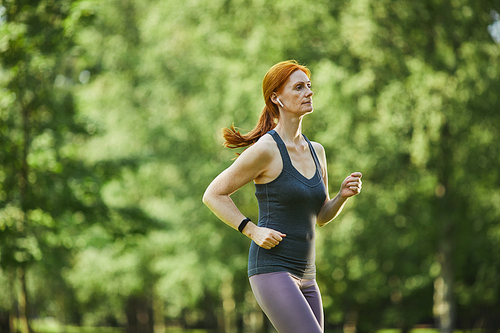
(351, 185)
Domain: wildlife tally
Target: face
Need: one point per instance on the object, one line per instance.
(296, 94)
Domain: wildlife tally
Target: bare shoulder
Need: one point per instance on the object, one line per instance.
(320, 150)
(249, 166)
(264, 157)
(256, 158)
(267, 142)
(264, 149)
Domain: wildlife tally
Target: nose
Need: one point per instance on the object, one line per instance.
(309, 92)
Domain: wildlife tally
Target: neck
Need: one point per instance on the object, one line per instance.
(289, 128)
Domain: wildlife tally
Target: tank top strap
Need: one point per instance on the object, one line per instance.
(287, 162)
(313, 152)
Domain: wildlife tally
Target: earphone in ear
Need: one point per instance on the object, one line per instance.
(281, 104)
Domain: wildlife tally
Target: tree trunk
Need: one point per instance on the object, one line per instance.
(4, 321)
(228, 305)
(157, 308)
(139, 315)
(21, 227)
(444, 306)
(12, 318)
(254, 319)
(23, 302)
(446, 213)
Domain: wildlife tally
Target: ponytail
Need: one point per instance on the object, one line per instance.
(267, 121)
(273, 81)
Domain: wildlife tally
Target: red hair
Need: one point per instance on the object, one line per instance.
(273, 81)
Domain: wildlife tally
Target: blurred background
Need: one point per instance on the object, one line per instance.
(110, 131)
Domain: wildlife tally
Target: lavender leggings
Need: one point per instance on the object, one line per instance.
(293, 305)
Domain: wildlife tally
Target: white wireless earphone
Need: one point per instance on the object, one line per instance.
(281, 104)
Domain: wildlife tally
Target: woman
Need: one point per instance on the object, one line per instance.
(291, 183)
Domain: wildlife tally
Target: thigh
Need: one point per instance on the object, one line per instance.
(280, 297)
(311, 292)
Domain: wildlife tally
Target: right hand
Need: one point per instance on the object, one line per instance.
(267, 238)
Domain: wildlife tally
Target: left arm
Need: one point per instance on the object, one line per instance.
(351, 186)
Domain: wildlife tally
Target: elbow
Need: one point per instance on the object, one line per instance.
(321, 223)
(208, 198)
(205, 198)
(320, 220)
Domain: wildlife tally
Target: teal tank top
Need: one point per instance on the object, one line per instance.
(290, 204)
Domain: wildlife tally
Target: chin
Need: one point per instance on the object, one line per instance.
(309, 109)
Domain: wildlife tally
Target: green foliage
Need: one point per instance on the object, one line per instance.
(48, 193)
(125, 102)
(409, 117)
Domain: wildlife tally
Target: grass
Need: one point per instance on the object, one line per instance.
(51, 325)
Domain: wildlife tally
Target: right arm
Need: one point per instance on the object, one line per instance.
(251, 164)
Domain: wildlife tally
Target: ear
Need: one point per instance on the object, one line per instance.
(274, 98)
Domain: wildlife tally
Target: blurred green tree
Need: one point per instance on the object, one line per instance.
(416, 93)
(46, 190)
(48, 193)
(406, 92)
(398, 86)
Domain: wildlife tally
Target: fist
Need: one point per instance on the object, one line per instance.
(267, 238)
(351, 185)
